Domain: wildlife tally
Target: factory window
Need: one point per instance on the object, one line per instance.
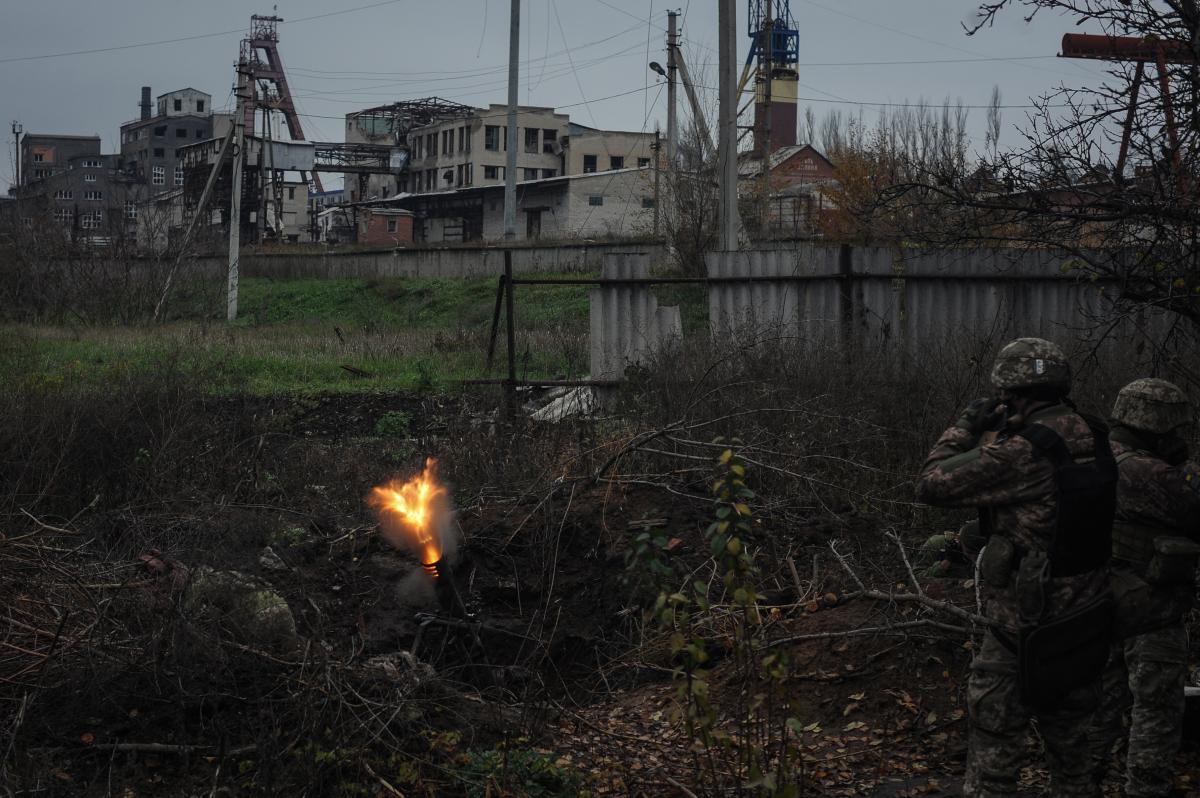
(160, 131)
(595, 200)
(531, 139)
(179, 105)
(462, 139)
(159, 175)
(589, 163)
(447, 141)
(493, 172)
(391, 225)
(89, 178)
(529, 174)
(616, 162)
(92, 163)
(181, 132)
(404, 184)
(491, 137)
(291, 192)
(39, 157)
(548, 139)
(643, 162)
(179, 175)
(200, 106)
(94, 196)
(549, 173)
(131, 211)
(39, 173)
(458, 175)
(431, 145)
(63, 215)
(647, 202)
(158, 152)
(64, 194)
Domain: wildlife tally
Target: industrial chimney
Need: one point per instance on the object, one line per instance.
(145, 104)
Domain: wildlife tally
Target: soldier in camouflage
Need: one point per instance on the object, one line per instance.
(1157, 496)
(1015, 489)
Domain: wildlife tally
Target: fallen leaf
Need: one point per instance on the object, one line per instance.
(857, 696)
(853, 705)
(931, 718)
(87, 738)
(812, 727)
(854, 726)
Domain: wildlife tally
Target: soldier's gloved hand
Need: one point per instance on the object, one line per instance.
(981, 415)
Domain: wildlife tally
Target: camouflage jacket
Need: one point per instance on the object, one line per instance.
(1016, 485)
(1154, 496)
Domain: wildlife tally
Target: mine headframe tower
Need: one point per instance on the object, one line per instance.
(773, 58)
(266, 84)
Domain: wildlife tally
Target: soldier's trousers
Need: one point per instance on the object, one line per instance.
(1000, 725)
(1145, 675)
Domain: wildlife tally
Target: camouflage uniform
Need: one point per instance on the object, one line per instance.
(1017, 486)
(1146, 673)
(951, 554)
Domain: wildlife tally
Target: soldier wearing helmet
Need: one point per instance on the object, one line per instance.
(1046, 490)
(1154, 563)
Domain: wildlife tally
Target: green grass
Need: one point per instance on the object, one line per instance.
(294, 336)
(423, 303)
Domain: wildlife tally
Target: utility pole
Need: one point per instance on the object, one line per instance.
(235, 200)
(727, 223)
(510, 138)
(672, 122)
(16, 131)
(657, 170)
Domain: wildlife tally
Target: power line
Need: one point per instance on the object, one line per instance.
(475, 71)
(179, 39)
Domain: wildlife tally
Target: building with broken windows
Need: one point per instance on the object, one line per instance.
(150, 143)
(456, 155)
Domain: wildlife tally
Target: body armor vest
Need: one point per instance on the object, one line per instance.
(1085, 498)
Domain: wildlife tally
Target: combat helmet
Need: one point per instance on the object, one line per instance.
(1151, 405)
(1031, 363)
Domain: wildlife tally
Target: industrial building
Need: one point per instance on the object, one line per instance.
(150, 143)
(68, 186)
(609, 204)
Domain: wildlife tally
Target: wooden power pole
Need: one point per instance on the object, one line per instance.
(235, 199)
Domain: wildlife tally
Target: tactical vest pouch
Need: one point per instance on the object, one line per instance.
(1174, 562)
(1064, 653)
(996, 565)
(1142, 607)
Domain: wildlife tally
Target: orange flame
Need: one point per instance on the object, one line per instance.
(411, 511)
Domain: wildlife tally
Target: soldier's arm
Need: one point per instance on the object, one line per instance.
(958, 473)
(1175, 492)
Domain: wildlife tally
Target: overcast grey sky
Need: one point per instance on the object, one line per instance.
(576, 53)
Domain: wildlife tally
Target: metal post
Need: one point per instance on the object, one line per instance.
(510, 390)
(16, 131)
(672, 123)
(657, 170)
(510, 169)
(727, 143)
(235, 200)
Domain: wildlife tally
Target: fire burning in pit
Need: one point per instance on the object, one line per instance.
(416, 515)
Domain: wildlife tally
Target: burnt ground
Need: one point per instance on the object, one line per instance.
(551, 655)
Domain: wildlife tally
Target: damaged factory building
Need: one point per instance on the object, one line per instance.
(574, 181)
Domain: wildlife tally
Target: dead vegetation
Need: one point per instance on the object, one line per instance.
(198, 602)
